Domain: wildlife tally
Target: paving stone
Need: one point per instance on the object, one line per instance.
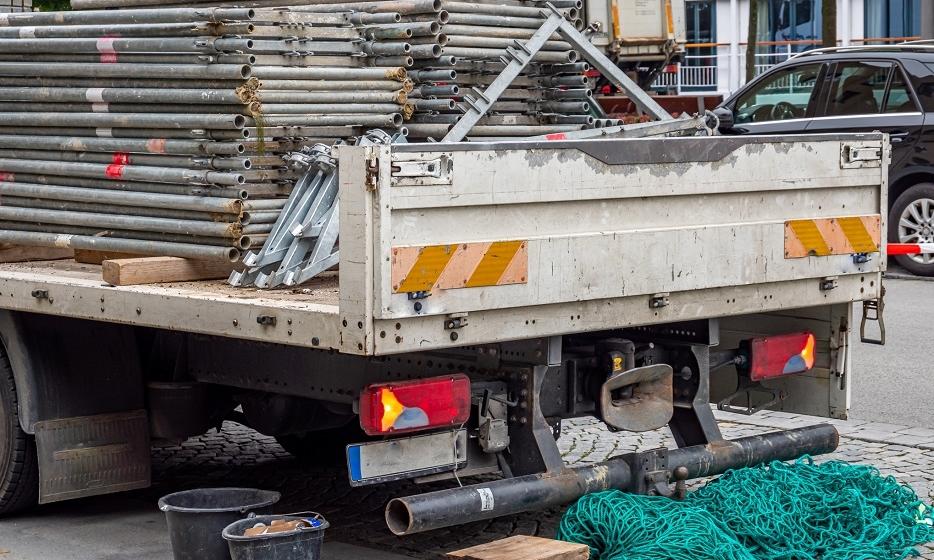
(922, 432)
(238, 456)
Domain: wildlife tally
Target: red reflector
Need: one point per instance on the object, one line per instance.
(774, 356)
(408, 406)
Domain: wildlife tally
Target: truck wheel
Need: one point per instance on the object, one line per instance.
(322, 447)
(911, 220)
(19, 464)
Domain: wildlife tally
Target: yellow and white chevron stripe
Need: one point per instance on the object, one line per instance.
(462, 265)
(832, 236)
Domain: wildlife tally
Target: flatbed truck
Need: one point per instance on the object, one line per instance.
(485, 293)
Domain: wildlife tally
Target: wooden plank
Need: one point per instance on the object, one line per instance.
(155, 270)
(15, 253)
(522, 547)
(85, 256)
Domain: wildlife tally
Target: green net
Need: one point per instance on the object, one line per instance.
(799, 511)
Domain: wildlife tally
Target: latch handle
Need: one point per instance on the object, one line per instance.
(873, 310)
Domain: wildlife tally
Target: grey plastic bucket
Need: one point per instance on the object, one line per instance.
(196, 518)
(303, 543)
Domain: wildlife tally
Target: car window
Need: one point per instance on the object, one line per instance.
(899, 99)
(858, 88)
(785, 94)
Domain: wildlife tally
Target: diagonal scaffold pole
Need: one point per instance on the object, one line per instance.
(521, 54)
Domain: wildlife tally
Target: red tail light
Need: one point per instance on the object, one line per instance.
(774, 356)
(408, 406)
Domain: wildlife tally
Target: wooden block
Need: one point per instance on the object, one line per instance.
(13, 254)
(97, 257)
(154, 270)
(521, 547)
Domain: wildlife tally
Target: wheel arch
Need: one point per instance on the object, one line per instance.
(908, 179)
(15, 346)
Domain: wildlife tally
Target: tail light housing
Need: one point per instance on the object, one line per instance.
(786, 354)
(410, 406)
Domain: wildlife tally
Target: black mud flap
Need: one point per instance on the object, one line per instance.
(92, 455)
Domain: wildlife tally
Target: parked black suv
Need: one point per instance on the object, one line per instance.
(857, 89)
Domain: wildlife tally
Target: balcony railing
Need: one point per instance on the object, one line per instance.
(700, 73)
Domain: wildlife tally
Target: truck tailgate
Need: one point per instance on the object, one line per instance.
(445, 245)
(484, 242)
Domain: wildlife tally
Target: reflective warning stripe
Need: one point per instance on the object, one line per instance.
(832, 236)
(910, 248)
(464, 265)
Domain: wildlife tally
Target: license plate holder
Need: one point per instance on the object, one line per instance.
(407, 457)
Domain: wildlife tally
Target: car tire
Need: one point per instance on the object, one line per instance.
(913, 197)
(19, 464)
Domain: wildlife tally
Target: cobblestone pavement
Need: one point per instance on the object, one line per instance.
(238, 456)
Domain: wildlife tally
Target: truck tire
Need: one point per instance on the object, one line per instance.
(19, 464)
(322, 447)
(911, 220)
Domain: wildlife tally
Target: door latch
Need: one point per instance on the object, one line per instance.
(873, 310)
(863, 154)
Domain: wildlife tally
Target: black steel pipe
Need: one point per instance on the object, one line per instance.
(717, 458)
(455, 506)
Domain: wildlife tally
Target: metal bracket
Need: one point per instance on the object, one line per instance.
(828, 283)
(266, 320)
(873, 310)
(748, 389)
(659, 300)
(651, 475)
(455, 321)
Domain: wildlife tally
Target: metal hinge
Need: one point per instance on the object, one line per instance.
(372, 170)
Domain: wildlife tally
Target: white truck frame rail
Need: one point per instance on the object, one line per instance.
(607, 234)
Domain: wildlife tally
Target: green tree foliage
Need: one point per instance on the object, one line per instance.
(51, 5)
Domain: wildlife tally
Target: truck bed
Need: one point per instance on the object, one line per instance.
(210, 306)
(445, 245)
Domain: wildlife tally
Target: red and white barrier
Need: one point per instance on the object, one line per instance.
(910, 248)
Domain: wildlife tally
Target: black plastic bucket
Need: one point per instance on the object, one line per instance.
(303, 543)
(197, 517)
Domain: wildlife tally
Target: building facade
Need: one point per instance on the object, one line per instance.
(718, 30)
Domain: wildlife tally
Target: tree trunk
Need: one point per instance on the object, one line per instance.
(829, 23)
(751, 39)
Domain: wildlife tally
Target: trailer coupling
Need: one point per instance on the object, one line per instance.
(649, 472)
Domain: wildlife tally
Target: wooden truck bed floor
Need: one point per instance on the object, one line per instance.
(290, 316)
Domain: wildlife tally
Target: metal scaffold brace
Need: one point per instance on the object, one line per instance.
(521, 54)
(304, 240)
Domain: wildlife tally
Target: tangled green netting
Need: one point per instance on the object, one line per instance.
(800, 511)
